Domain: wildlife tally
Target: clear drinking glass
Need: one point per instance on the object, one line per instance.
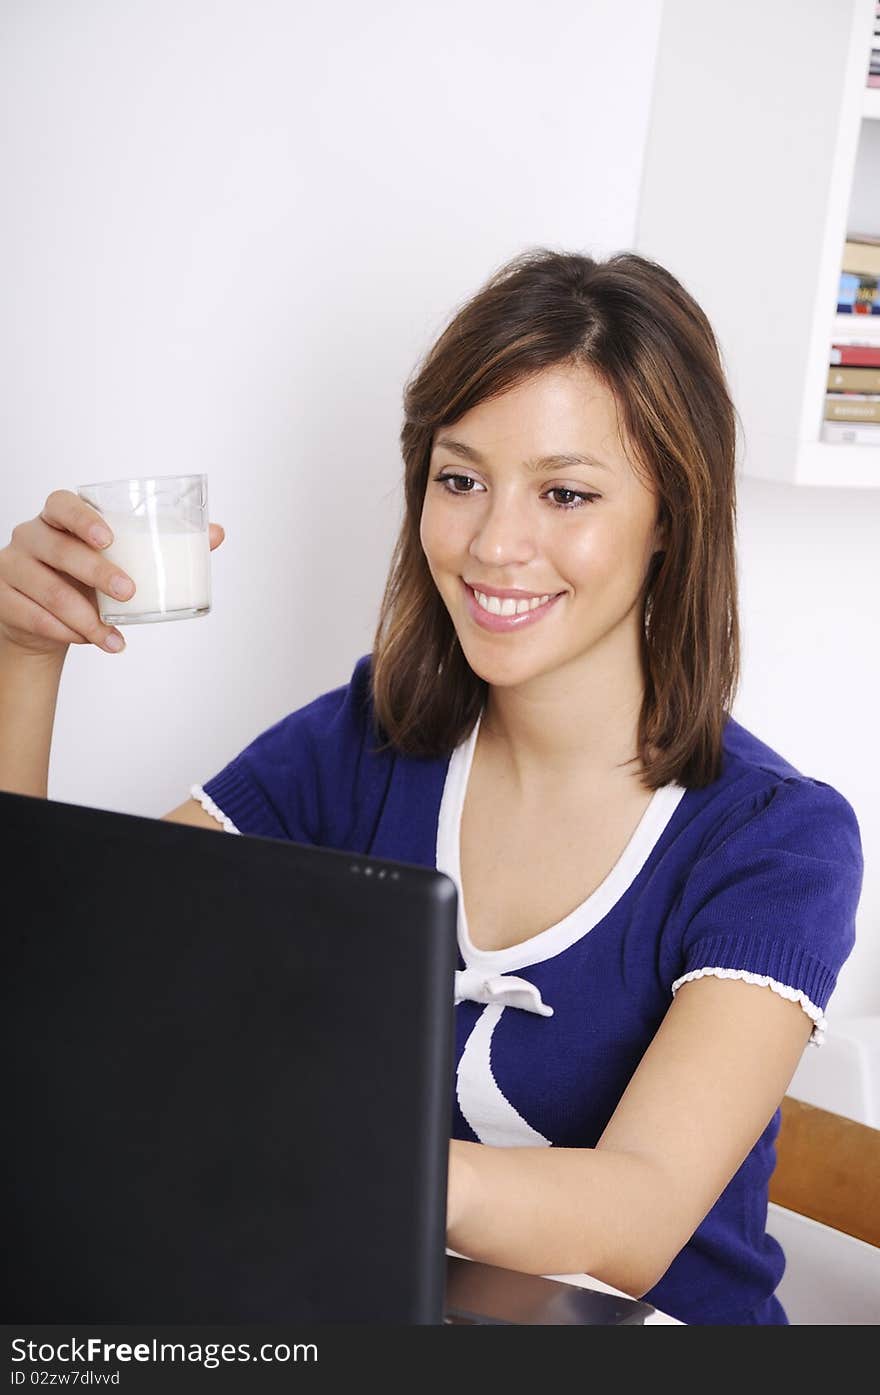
(160, 540)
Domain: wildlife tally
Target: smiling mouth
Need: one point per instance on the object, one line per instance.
(492, 617)
(509, 606)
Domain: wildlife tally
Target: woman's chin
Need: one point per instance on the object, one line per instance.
(500, 670)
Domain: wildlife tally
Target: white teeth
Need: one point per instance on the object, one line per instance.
(496, 606)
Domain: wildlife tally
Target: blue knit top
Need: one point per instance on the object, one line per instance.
(756, 876)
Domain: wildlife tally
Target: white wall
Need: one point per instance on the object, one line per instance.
(231, 229)
(229, 232)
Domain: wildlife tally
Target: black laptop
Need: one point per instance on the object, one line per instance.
(228, 1084)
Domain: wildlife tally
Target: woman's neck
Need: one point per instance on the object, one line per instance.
(561, 730)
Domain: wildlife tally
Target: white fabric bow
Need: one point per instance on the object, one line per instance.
(476, 987)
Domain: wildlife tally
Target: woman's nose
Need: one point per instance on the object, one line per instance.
(505, 532)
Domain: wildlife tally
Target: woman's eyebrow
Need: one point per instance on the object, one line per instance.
(543, 464)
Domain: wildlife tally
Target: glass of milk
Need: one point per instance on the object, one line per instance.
(160, 540)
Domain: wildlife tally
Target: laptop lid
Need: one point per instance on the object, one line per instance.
(230, 1089)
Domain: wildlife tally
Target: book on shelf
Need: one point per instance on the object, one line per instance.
(858, 294)
(855, 329)
(861, 255)
(855, 355)
(862, 380)
(852, 406)
(851, 433)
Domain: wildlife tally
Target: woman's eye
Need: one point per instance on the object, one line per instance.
(581, 497)
(443, 479)
(572, 498)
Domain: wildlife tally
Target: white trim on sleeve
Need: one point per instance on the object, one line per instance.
(207, 803)
(794, 995)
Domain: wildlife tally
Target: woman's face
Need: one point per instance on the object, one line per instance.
(582, 532)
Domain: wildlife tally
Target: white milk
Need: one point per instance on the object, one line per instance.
(168, 561)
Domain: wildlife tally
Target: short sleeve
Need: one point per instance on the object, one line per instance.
(309, 777)
(773, 898)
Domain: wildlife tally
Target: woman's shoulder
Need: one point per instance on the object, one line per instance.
(773, 878)
(762, 799)
(746, 752)
(312, 774)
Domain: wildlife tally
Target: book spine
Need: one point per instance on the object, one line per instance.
(857, 433)
(851, 407)
(862, 258)
(854, 380)
(858, 280)
(855, 355)
(856, 329)
(858, 294)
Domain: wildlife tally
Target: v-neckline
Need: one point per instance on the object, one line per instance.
(585, 916)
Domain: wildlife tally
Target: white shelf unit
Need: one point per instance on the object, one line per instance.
(763, 151)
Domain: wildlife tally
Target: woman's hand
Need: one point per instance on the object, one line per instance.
(49, 573)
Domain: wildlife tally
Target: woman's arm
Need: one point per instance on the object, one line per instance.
(702, 1095)
(28, 697)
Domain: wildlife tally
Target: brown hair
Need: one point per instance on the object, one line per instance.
(634, 325)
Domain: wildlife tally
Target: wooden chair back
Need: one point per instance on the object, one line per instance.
(828, 1168)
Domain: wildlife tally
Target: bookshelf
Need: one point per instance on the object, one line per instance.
(763, 151)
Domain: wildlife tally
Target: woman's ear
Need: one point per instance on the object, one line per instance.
(661, 534)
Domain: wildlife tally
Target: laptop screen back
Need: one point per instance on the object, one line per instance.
(230, 1088)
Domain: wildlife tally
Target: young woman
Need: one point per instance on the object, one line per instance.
(653, 905)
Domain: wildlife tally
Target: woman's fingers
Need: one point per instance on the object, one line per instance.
(66, 555)
(61, 598)
(23, 618)
(67, 511)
